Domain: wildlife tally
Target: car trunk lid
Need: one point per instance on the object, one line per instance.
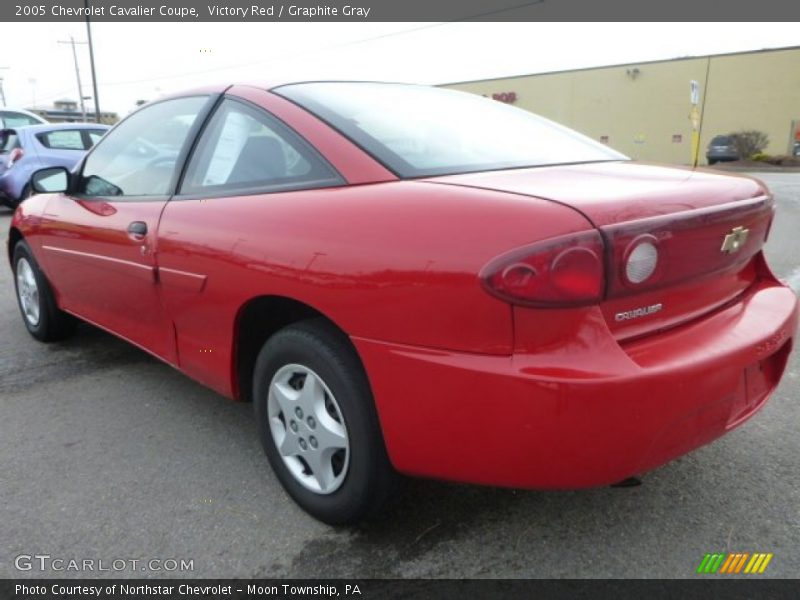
(706, 227)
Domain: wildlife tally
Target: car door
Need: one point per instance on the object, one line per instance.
(99, 240)
(228, 215)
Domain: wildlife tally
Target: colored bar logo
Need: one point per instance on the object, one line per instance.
(734, 563)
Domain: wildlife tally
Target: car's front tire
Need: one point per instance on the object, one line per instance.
(318, 424)
(36, 300)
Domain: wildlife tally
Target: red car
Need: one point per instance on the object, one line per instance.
(415, 280)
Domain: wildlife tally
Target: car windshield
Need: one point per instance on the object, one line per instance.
(721, 140)
(418, 131)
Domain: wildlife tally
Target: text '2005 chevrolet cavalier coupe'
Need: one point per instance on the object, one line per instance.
(413, 280)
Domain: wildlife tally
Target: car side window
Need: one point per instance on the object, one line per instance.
(62, 139)
(139, 157)
(245, 149)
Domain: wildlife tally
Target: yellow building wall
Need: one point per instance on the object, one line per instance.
(641, 107)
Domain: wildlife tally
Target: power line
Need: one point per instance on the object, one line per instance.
(72, 42)
(54, 95)
(331, 46)
(273, 58)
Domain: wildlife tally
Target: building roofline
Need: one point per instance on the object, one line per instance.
(617, 65)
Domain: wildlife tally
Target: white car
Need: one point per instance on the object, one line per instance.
(18, 117)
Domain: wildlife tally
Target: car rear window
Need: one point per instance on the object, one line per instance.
(62, 139)
(721, 140)
(8, 141)
(418, 131)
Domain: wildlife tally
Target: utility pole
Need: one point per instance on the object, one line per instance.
(91, 64)
(72, 42)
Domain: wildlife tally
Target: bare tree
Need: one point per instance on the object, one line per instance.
(749, 142)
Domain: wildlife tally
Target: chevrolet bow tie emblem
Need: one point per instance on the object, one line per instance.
(734, 240)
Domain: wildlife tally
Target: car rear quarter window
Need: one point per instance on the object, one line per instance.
(246, 150)
(62, 139)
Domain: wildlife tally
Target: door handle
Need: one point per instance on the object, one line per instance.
(138, 229)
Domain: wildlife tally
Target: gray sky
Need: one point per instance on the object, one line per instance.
(146, 60)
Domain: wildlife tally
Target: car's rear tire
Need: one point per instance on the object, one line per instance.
(711, 161)
(35, 298)
(318, 424)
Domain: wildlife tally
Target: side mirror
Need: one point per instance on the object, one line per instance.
(50, 180)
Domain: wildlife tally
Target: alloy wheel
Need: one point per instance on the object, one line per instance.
(28, 291)
(308, 429)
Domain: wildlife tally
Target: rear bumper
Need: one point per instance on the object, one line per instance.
(586, 413)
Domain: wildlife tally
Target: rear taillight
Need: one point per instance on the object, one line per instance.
(562, 271)
(14, 156)
(661, 251)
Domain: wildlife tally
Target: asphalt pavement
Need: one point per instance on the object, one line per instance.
(107, 454)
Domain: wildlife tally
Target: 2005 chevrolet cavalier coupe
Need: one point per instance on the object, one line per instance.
(415, 280)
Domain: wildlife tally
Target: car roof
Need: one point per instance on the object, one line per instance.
(267, 85)
(275, 83)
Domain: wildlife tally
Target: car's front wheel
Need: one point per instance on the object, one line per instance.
(37, 303)
(318, 424)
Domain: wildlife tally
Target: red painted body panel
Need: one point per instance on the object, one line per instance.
(615, 192)
(689, 212)
(102, 273)
(467, 387)
(583, 410)
(372, 258)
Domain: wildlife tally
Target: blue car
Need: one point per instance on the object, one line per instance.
(25, 150)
